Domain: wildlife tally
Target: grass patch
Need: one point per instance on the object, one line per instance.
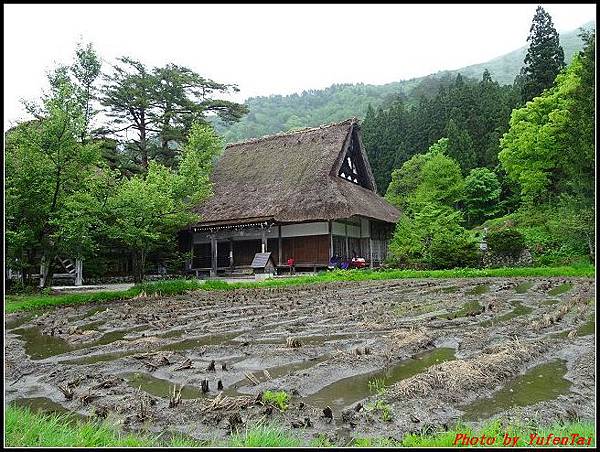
(384, 410)
(416, 309)
(558, 290)
(264, 435)
(279, 399)
(375, 442)
(377, 386)
(321, 441)
(15, 303)
(472, 308)
(24, 428)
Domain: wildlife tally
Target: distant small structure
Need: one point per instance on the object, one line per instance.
(263, 265)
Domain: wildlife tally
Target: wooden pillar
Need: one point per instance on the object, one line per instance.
(263, 239)
(213, 256)
(370, 244)
(360, 242)
(347, 243)
(330, 240)
(190, 262)
(279, 246)
(78, 272)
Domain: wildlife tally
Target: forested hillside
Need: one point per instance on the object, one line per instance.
(510, 164)
(276, 113)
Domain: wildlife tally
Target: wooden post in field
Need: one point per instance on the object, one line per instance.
(78, 272)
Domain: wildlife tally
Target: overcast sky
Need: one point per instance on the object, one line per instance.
(268, 49)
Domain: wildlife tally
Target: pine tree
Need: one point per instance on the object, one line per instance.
(545, 57)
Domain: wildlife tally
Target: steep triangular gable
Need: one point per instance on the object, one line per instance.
(352, 164)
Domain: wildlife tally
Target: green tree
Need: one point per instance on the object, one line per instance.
(460, 146)
(48, 170)
(544, 59)
(441, 178)
(405, 181)
(481, 195)
(146, 211)
(433, 237)
(86, 70)
(582, 122)
(540, 150)
(159, 105)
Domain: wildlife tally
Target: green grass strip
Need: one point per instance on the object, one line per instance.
(15, 303)
(24, 428)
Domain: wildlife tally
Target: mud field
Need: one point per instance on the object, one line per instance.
(386, 357)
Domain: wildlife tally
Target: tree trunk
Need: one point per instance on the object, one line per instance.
(139, 258)
(143, 145)
(46, 271)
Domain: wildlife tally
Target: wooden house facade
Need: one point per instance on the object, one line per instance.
(307, 195)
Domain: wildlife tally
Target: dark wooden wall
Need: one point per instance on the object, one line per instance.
(312, 249)
(244, 251)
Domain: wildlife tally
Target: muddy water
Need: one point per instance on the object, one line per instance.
(479, 289)
(550, 301)
(159, 387)
(46, 406)
(350, 390)
(316, 315)
(18, 321)
(280, 371)
(101, 357)
(587, 328)
(468, 309)
(558, 290)
(543, 382)
(40, 346)
(519, 309)
(524, 287)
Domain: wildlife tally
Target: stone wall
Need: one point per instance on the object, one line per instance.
(491, 260)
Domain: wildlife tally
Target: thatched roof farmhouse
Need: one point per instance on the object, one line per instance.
(308, 194)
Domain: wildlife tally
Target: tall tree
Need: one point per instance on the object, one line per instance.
(460, 146)
(482, 193)
(50, 173)
(543, 150)
(544, 59)
(86, 71)
(160, 104)
(146, 211)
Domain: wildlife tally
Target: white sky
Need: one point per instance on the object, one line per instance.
(268, 49)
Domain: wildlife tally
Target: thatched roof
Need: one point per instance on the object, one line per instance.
(292, 177)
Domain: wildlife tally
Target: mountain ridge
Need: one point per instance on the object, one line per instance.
(312, 107)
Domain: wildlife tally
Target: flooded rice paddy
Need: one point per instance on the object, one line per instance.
(433, 352)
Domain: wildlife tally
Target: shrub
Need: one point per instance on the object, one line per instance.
(278, 398)
(384, 409)
(452, 248)
(506, 242)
